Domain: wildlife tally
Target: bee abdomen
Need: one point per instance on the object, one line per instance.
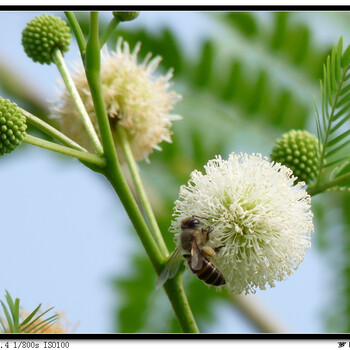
(208, 273)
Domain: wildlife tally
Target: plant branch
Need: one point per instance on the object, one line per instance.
(58, 59)
(51, 131)
(114, 174)
(257, 314)
(78, 33)
(108, 31)
(83, 156)
(316, 189)
(123, 139)
(112, 170)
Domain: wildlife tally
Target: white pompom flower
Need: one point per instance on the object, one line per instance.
(136, 97)
(262, 220)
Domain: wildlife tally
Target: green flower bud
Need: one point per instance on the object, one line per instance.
(12, 126)
(42, 35)
(124, 16)
(296, 150)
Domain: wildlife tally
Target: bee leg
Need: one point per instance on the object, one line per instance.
(218, 248)
(207, 231)
(209, 251)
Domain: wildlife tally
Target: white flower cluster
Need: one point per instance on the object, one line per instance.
(262, 220)
(135, 98)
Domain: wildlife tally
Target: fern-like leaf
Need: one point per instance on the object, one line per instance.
(332, 129)
(36, 322)
(29, 324)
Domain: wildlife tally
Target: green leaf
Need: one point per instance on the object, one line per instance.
(325, 115)
(345, 90)
(245, 22)
(338, 125)
(337, 139)
(32, 323)
(16, 314)
(333, 71)
(319, 132)
(328, 80)
(14, 309)
(343, 101)
(346, 57)
(41, 325)
(280, 30)
(205, 66)
(335, 113)
(340, 160)
(344, 168)
(335, 150)
(8, 318)
(340, 113)
(30, 316)
(338, 59)
(3, 325)
(49, 322)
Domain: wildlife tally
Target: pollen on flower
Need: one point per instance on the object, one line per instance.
(262, 220)
(136, 98)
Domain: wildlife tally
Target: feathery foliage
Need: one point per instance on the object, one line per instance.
(333, 122)
(334, 96)
(33, 323)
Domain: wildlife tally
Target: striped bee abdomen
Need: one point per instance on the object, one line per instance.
(208, 273)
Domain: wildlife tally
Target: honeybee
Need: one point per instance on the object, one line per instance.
(193, 239)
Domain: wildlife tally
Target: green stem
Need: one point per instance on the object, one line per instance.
(123, 139)
(108, 31)
(58, 59)
(112, 170)
(78, 33)
(114, 174)
(51, 131)
(173, 287)
(175, 290)
(316, 189)
(83, 156)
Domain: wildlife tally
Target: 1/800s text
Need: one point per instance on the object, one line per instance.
(34, 345)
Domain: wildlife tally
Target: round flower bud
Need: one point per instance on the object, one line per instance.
(260, 222)
(296, 150)
(125, 16)
(42, 35)
(12, 126)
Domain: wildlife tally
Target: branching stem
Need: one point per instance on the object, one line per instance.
(316, 189)
(113, 173)
(83, 156)
(108, 31)
(78, 33)
(58, 59)
(51, 131)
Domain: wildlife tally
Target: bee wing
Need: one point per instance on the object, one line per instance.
(196, 258)
(170, 269)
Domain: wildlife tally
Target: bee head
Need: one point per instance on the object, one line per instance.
(190, 222)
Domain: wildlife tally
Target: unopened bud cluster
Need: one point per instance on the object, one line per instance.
(12, 126)
(125, 16)
(296, 149)
(42, 35)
